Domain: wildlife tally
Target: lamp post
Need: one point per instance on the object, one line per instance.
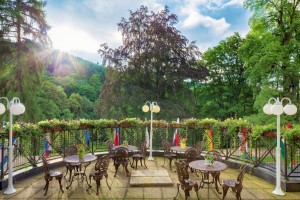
(278, 109)
(15, 107)
(153, 108)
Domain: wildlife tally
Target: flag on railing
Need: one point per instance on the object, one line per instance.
(176, 138)
(87, 137)
(147, 138)
(48, 147)
(117, 137)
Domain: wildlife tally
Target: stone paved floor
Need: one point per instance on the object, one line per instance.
(32, 188)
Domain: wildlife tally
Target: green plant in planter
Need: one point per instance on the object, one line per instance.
(292, 133)
(72, 125)
(207, 122)
(258, 131)
(45, 125)
(190, 122)
(86, 123)
(209, 158)
(105, 123)
(157, 123)
(134, 122)
(16, 128)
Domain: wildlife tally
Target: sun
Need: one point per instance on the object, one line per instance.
(70, 39)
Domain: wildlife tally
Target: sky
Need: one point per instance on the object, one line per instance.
(81, 26)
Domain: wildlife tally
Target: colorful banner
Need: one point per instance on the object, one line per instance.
(117, 137)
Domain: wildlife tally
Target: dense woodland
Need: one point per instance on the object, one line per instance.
(155, 63)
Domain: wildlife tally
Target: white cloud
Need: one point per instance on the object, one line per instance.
(218, 26)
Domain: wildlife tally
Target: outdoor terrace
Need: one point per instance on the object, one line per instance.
(32, 187)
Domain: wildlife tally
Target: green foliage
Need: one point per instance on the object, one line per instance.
(257, 130)
(131, 122)
(292, 134)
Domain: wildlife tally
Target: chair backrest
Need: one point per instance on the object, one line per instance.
(199, 146)
(216, 154)
(166, 145)
(241, 175)
(71, 150)
(102, 163)
(182, 171)
(45, 164)
(143, 148)
(121, 155)
(110, 145)
(191, 154)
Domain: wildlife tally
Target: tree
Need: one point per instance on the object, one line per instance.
(155, 58)
(227, 93)
(271, 51)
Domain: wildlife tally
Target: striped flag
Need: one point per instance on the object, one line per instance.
(117, 137)
(176, 138)
(48, 147)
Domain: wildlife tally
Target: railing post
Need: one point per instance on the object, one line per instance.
(2, 156)
(285, 159)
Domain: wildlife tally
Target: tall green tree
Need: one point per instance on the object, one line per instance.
(227, 93)
(271, 50)
(155, 59)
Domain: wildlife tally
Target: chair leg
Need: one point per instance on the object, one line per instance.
(106, 177)
(116, 168)
(170, 162)
(164, 161)
(186, 193)
(145, 162)
(238, 195)
(136, 162)
(46, 187)
(98, 184)
(60, 185)
(225, 189)
(127, 171)
(66, 172)
(177, 190)
(70, 175)
(196, 190)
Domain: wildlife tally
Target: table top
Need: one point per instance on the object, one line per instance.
(75, 158)
(200, 165)
(177, 148)
(129, 147)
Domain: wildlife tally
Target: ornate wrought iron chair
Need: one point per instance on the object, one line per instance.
(235, 185)
(121, 157)
(71, 150)
(183, 177)
(190, 155)
(111, 152)
(199, 146)
(141, 155)
(167, 152)
(101, 167)
(49, 175)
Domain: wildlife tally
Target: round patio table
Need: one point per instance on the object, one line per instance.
(88, 158)
(179, 149)
(209, 169)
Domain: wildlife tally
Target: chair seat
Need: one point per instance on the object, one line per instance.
(230, 183)
(55, 173)
(190, 182)
(138, 156)
(170, 155)
(97, 174)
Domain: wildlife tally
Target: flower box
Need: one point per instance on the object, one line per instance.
(270, 134)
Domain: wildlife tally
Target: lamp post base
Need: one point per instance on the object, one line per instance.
(150, 158)
(278, 191)
(10, 190)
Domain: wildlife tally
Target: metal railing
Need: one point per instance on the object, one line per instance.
(260, 153)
